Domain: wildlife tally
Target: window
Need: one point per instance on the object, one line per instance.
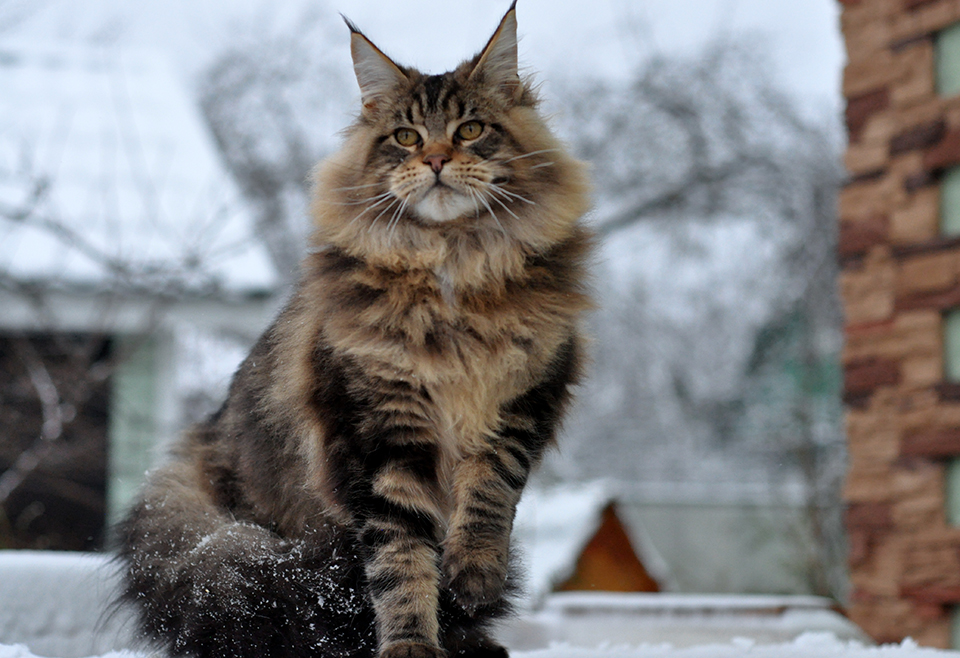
(947, 55)
(950, 203)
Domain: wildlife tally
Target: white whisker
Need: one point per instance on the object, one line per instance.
(505, 207)
(369, 208)
(483, 200)
(382, 213)
(354, 187)
(473, 196)
(542, 164)
(362, 201)
(397, 216)
(529, 155)
(507, 194)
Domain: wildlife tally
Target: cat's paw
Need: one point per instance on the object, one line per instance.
(474, 585)
(411, 650)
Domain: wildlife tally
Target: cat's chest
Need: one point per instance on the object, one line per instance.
(470, 351)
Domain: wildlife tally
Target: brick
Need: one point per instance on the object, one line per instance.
(938, 594)
(858, 237)
(918, 137)
(916, 83)
(869, 515)
(862, 76)
(913, 4)
(868, 292)
(887, 621)
(921, 371)
(867, 486)
(940, 443)
(866, 42)
(912, 334)
(937, 300)
(864, 376)
(866, 199)
(933, 565)
(937, 634)
(934, 16)
(945, 154)
(870, 159)
(918, 220)
(927, 273)
(914, 515)
(861, 108)
(948, 392)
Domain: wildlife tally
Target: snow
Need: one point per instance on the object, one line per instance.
(53, 605)
(135, 187)
(810, 645)
(57, 604)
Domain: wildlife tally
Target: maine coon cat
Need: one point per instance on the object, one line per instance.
(355, 494)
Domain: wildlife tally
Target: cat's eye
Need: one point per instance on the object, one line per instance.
(407, 137)
(469, 130)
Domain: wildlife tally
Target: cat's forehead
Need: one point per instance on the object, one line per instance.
(442, 97)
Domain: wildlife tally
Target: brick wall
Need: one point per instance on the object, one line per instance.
(898, 277)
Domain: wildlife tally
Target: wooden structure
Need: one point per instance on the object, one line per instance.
(608, 562)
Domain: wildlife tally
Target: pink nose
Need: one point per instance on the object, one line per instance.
(436, 161)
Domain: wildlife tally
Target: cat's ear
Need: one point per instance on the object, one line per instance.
(497, 63)
(377, 74)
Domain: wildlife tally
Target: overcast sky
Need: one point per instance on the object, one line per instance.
(602, 37)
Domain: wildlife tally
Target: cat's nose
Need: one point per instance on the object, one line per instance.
(436, 161)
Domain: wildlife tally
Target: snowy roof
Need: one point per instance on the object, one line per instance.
(554, 525)
(131, 188)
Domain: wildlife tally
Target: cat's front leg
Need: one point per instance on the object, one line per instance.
(385, 474)
(488, 484)
(476, 549)
(401, 531)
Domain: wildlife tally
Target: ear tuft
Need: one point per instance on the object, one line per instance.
(377, 74)
(497, 62)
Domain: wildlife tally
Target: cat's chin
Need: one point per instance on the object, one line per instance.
(444, 206)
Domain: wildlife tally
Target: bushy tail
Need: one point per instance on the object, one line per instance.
(205, 584)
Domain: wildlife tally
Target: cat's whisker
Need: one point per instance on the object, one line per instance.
(507, 194)
(473, 197)
(505, 207)
(355, 187)
(397, 216)
(362, 201)
(542, 164)
(529, 155)
(366, 210)
(382, 213)
(483, 200)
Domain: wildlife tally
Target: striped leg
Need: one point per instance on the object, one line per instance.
(476, 550)
(388, 480)
(487, 487)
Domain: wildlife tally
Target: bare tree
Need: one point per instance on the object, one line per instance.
(717, 342)
(275, 101)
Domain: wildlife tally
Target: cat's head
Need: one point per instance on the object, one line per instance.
(438, 155)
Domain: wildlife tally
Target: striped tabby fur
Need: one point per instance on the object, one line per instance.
(355, 494)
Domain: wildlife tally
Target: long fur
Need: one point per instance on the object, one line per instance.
(355, 494)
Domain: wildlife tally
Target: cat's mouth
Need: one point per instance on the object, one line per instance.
(443, 203)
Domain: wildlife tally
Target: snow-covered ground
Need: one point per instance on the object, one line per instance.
(52, 605)
(811, 645)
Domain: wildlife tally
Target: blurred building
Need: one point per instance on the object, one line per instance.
(900, 253)
(129, 268)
